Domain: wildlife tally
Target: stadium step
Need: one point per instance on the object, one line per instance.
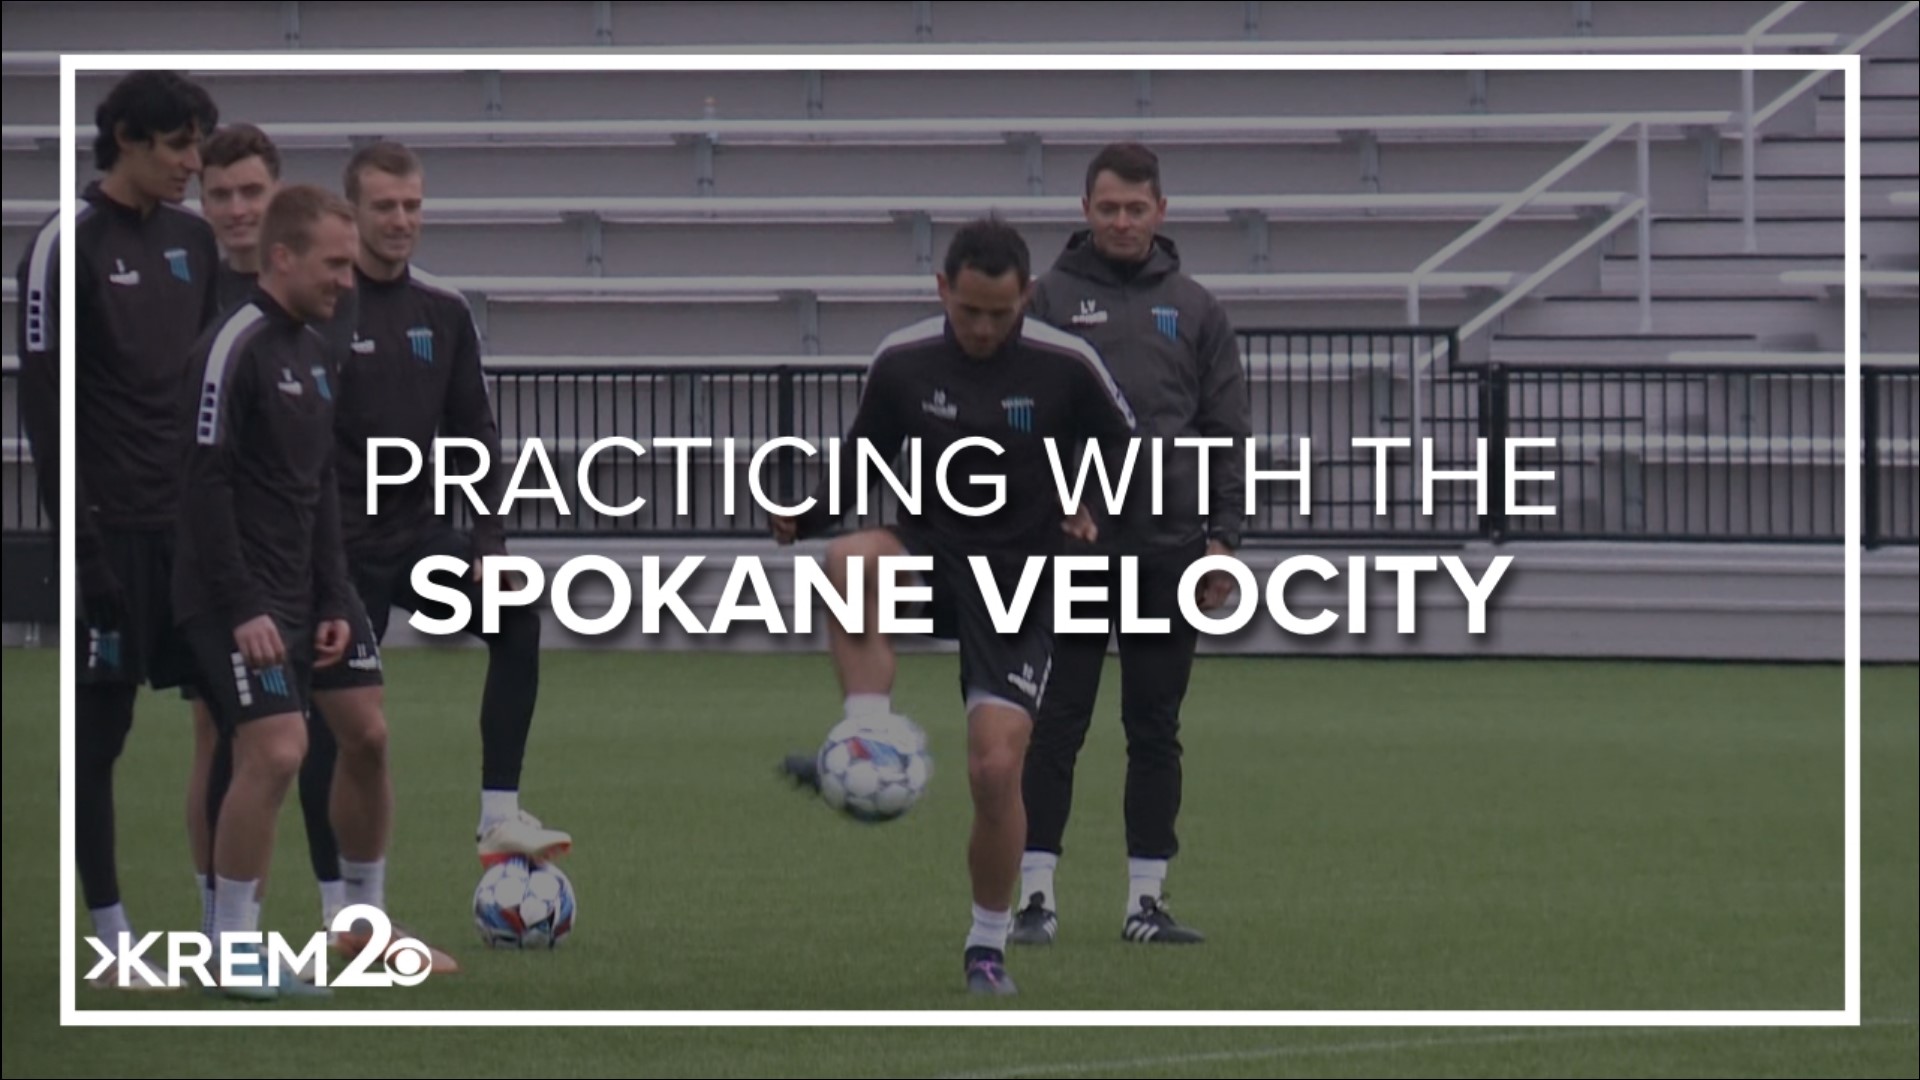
(1891, 75)
(1601, 349)
(1620, 315)
(1880, 114)
(1709, 275)
(1805, 195)
(1881, 238)
(1825, 155)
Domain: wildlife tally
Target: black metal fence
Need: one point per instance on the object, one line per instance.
(1653, 452)
(1706, 453)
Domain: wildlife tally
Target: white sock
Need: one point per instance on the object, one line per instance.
(869, 706)
(1144, 878)
(206, 903)
(497, 806)
(234, 910)
(333, 897)
(1036, 876)
(109, 923)
(365, 883)
(989, 929)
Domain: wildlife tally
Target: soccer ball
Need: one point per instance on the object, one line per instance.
(874, 769)
(518, 905)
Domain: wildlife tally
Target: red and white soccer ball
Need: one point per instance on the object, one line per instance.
(874, 769)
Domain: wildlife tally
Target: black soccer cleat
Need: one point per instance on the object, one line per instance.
(987, 973)
(802, 771)
(1034, 925)
(1154, 924)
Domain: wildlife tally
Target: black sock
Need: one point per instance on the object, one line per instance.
(316, 797)
(219, 779)
(103, 714)
(506, 707)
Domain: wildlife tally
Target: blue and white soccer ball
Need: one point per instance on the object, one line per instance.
(519, 905)
(874, 769)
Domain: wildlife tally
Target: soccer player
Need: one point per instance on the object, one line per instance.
(1118, 284)
(240, 175)
(144, 290)
(261, 586)
(413, 372)
(981, 371)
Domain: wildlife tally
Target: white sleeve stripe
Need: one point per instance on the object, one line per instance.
(1049, 336)
(34, 302)
(434, 283)
(212, 389)
(925, 330)
(437, 285)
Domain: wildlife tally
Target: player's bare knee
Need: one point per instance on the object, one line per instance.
(358, 720)
(994, 770)
(274, 750)
(868, 546)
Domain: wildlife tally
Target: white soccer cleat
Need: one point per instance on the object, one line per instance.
(522, 837)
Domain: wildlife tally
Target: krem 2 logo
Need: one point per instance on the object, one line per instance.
(408, 961)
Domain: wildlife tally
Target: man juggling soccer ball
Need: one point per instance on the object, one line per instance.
(981, 372)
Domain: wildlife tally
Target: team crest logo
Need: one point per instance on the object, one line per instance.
(1019, 413)
(420, 340)
(103, 650)
(1167, 321)
(273, 680)
(177, 262)
(320, 383)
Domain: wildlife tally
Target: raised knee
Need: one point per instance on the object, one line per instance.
(867, 546)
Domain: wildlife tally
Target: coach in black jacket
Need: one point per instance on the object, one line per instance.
(1172, 350)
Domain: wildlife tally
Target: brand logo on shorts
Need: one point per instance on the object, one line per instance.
(177, 262)
(420, 340)
(1023, 680)
(364, 658)
(939, 406)
(1019, 413)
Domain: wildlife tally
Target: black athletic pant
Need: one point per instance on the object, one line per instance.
(1154, 669)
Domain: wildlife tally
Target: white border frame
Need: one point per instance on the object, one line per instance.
(1848, 1016)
